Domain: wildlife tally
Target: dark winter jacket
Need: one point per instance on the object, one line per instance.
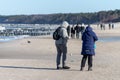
(88, 38)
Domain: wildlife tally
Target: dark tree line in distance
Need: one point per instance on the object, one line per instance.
(72, 18)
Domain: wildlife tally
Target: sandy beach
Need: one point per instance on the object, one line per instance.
(20, 60)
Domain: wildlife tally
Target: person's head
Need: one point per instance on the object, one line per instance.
(83, 24)
(88, 24)
(65, 24)
(88, 28)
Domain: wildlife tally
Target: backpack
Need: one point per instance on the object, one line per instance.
(56, 34)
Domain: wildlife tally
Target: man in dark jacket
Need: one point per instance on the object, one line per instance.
(88, 38)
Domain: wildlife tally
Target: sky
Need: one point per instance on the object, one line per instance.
(29, 7)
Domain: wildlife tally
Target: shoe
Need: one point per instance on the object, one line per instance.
(90, 69)
(59, 67)
(81, 69)
(66, 67)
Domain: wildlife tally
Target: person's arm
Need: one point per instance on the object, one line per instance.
(65, 34)
(95, 37)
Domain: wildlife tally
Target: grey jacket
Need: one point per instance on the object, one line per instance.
(64, 38)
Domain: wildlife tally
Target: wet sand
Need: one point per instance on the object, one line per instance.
(20, 60)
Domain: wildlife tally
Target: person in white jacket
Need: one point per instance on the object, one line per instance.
(61, 46)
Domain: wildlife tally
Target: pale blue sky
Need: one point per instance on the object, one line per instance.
(16, 7)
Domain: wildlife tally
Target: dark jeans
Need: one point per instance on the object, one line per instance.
(84, 60)
(61, 51)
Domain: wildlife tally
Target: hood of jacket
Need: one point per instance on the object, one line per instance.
(65, 24)
(89, 30)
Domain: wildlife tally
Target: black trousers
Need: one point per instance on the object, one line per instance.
(84, 58)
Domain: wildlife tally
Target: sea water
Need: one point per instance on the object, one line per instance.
(11, 38)
(109, 39)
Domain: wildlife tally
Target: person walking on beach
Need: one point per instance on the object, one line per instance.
(88, 38)
(73, 32)
(82, 28)
(77, 28)
(109, 26)
(69, 30)
(61, 46)
(112, 26)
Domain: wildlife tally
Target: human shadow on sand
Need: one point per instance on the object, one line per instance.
(34, 68)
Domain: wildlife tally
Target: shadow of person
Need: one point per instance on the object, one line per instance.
(19, 67)
(35, 68)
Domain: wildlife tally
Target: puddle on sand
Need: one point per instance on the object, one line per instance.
(109, 39)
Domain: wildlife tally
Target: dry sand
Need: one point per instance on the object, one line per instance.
(20, 60)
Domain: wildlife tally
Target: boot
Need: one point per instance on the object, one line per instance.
(81, 69)
(66, 67)
(89, 68)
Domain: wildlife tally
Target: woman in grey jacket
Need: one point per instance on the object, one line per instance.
(61, 46)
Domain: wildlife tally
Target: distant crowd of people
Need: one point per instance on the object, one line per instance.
(75, 31)
(103, 26)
